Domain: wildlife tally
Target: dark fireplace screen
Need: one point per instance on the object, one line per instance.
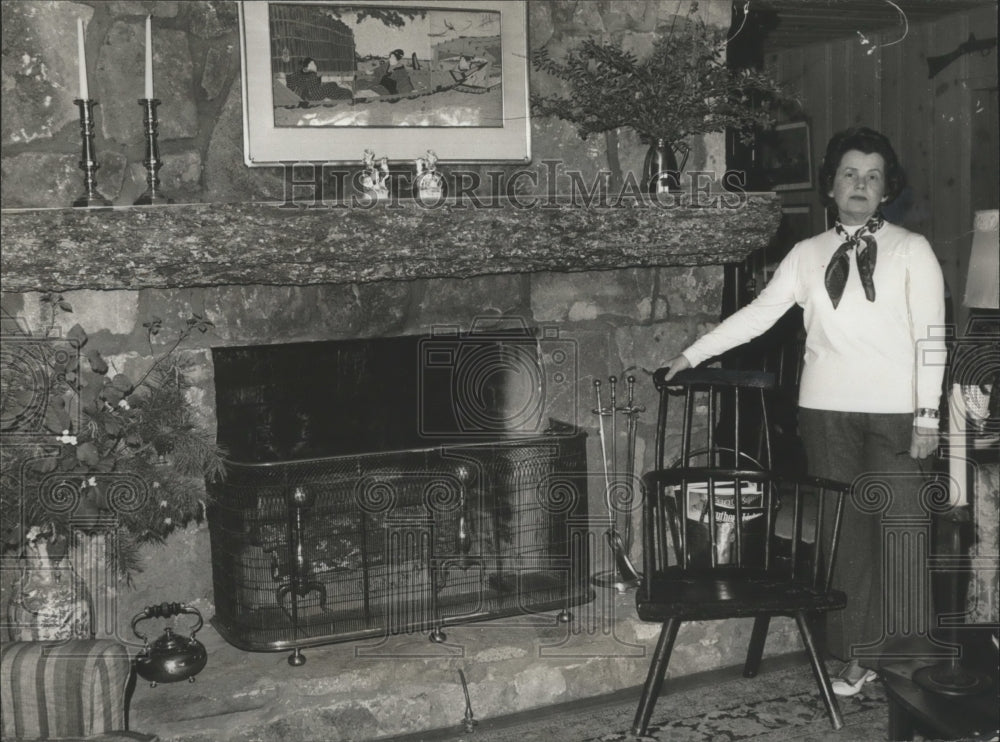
(347, 512)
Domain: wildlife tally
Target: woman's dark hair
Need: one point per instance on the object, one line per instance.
(305, 63)
(865, 140)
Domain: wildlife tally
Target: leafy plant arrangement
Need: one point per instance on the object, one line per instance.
(112, 451)
(682, 88)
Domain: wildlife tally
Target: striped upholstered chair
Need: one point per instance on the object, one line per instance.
(73, 690)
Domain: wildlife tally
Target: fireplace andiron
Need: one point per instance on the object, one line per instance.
(298, 585)
(170, 658)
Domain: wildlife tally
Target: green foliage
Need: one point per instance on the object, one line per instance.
(109, 451)
(682, 88)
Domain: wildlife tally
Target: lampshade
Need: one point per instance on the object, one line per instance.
(982, 287)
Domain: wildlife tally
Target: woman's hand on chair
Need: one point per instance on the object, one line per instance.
(676, 365)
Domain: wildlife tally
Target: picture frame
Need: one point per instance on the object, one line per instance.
(784, 154)
(458, 88)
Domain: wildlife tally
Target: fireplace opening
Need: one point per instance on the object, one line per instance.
(397, 484)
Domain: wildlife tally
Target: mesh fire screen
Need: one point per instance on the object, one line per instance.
(389, 485)
(341, 548)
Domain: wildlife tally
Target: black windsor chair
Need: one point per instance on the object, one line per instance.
(723, 536)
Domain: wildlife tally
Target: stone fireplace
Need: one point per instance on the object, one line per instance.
(627, 287)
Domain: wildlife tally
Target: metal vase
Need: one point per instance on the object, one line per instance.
(660, 170)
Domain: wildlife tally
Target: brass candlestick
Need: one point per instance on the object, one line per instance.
(90, 197)
(153, 194)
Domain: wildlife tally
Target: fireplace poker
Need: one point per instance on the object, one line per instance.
(625, 575)
(613, 386)
(630, 411)
(601, 412)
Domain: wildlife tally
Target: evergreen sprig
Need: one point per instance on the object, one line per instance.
(682, 88)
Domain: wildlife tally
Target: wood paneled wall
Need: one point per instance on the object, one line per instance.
(945, 129)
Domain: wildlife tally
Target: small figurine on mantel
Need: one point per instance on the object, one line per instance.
(429, 183)
(375, 178)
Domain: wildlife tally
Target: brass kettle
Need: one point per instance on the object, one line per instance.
(171, 657)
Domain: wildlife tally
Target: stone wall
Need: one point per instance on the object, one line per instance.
(197, 78)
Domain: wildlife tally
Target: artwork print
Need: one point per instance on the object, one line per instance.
(328, 80)
(785, 156)
(344, 65)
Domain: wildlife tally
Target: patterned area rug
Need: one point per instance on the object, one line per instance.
(777, 705)
(787, 707)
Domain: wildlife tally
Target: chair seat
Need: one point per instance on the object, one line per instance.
(705, 595)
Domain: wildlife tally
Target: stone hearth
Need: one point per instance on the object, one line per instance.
(404, 684)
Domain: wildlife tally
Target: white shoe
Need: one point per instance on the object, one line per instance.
(843, 687)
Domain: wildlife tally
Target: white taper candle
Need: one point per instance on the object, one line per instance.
(149, 57)
(81, 54)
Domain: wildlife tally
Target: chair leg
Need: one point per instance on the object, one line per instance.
(819, 671)
(654, 678)
(756, 650)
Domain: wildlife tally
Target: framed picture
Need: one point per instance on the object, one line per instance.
(785, 157)
(324, 81)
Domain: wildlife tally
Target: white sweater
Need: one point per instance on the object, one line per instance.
(886, 356)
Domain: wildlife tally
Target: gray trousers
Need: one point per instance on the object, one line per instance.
(872, 451)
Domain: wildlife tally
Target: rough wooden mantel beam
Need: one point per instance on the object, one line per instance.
(251, 243)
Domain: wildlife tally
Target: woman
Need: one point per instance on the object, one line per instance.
(309, 86)
(392, 75)
(872, 295)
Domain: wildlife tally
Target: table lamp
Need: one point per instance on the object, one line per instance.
(978, 377)
(982, 287)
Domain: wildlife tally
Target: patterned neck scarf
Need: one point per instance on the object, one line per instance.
(840, 264)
